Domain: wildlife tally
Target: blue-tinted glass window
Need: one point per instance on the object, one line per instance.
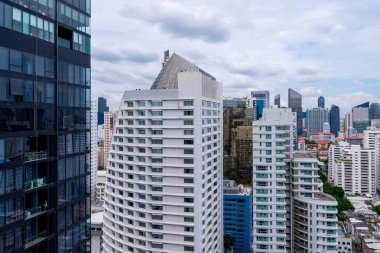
(39, 93)
(4, 57)
(15, 60)
(49, 93)
(4, 89)
(28, 91)
(8, 16)
(1, 14)
(27, 63)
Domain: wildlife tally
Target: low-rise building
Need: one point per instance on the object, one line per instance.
(96, 229)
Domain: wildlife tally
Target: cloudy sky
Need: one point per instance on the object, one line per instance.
(329, 48)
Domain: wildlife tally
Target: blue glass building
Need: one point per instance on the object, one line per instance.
(237, 217)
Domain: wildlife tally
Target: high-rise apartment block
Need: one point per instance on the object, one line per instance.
(44, 125)
(355, 170)
(321, 102)
(295, 103)
(237, 207)
(371, 140)
(164, 184)
(288, 204)
(273, 143)
(109, 120)
(314, 220)
(316, 118)
(334, 119)
(335, 152)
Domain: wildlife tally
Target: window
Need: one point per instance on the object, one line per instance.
(188, 142)
(141, 103)
(188, 103)
(156, 122)
(156, 141)
(156, 113)
(188, 151)
(188, 180)
(188, 132)
(188, 122)
(157, 170)
(188, 161)
(156, 103)
(156, 132)
(15, 60)
(188, 113)
(4, 57)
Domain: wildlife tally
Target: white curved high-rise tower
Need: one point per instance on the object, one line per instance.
(164, 178)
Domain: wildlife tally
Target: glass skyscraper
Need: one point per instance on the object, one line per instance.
(334, 119)
(295, 102)
(44, 125)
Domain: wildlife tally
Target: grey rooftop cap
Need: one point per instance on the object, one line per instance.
(168, 76)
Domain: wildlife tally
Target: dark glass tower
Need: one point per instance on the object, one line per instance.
(321, 102)
(295, 102)
(102, 108)
(374, 111)
(334, 119)
(277, 100)
(44, 125)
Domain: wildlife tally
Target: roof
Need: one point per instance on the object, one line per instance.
(320, 133)
(168, 76)
(97, 218)
(299, 154)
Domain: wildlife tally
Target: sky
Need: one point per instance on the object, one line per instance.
(318, 48)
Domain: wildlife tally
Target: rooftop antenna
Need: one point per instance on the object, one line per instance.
(166, 57)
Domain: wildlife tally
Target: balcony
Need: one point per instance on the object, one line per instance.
(35, 156)
(33, 212)
(35, 183)
(29, 242)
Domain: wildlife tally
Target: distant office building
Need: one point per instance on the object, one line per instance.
(100, 185)
(262, 101)
(109, 119)
(234, 102)
(321, 102)
(237, 142)
(334, 119)
(360, 117)
(316, 118)
(277, 100)
(102, 108)
(94, 144)
(375, 123)
(237, 215)
(374, 111)
(295, 103)
(348, 128)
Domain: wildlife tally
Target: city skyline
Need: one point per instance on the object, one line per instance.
(250, 48)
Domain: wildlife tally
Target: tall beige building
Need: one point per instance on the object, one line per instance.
(109, 118)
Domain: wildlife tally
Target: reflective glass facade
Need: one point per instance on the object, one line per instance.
(45, 84)
(295, 102)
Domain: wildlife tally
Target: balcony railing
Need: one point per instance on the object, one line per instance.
(33, 156)
(36, 210)
(35, 239)
(35, 183)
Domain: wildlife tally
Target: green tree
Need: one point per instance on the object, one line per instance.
(228, 242)
(376, 209)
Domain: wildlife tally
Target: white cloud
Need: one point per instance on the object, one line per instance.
(251, 45)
